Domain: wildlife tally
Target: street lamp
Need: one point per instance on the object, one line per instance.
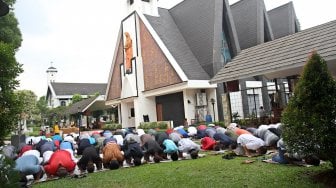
(4, 9)
(79, 120)
(212, 100)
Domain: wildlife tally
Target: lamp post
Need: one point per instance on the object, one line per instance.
(4, 9)
(213, 108)
(79, 120)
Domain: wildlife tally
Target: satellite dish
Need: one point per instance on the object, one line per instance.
(4, 9)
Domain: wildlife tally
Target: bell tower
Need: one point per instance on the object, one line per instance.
(148, 7)
(51, 73)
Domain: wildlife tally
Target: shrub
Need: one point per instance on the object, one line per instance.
(8, 176)
(162, 125)
(153, 125)
(112, 126)
(144, 125)
(220, 123)
(309, 119)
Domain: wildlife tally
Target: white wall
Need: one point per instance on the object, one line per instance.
(126, 114)
(144, 106)
(189, 108)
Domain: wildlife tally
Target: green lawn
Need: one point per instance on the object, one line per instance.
(210, 171)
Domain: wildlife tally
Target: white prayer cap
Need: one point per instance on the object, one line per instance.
(140, 132)
(29, 140)
(75, 135)
(36, 140)
(69, 139)
(232, 126)
(262, 127)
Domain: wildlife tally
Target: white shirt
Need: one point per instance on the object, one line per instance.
(35, 153)
(120, 139)
(220, 130)
(140, 132)
(185, 145)
(46, 156)
(192, 131)
(251, 142)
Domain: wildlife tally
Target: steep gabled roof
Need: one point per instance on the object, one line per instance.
(283, 20)
(284, 56)
(171, 36)
(78, 88)
(196, 21)
(207, 27)
(252, 23)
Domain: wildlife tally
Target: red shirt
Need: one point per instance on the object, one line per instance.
(24, 149)
(168, 131)
(201, 127)
(207, 143)
(60, 157)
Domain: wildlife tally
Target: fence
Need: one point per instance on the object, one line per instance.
(246, 103)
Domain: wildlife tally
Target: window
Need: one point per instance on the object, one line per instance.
(253, 103)
(146, 0)
(131, 2)
(132, 112)
(225, 49)
(63, 103)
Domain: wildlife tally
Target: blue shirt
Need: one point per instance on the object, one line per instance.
(66, 145)
(170, 146)
(92, 140)
(27, 164)
(57, 137)
(183, 133)
(223, 139)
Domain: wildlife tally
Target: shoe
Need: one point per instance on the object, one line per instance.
(227, 156)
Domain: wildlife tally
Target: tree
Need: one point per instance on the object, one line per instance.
(29, 109)
(76, 98)
(309, 120)
(9, 30)
(10, 41)
(42, 107)
(9, 102)
(56, 114)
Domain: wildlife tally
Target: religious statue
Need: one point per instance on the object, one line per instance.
(129, 52)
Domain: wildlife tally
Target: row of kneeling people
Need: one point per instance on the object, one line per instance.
(58, 156)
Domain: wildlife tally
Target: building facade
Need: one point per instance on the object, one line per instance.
(165, 58)
(60, 93)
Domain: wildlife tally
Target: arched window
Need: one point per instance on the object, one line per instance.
(63, 103)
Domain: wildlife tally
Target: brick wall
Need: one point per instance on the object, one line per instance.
(158, 72)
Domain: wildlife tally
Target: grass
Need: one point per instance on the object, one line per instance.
(210, 171)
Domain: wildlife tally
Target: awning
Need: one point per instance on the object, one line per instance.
(282, 57)
(91, 104)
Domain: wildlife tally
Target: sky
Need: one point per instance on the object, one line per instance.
(79, 36)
